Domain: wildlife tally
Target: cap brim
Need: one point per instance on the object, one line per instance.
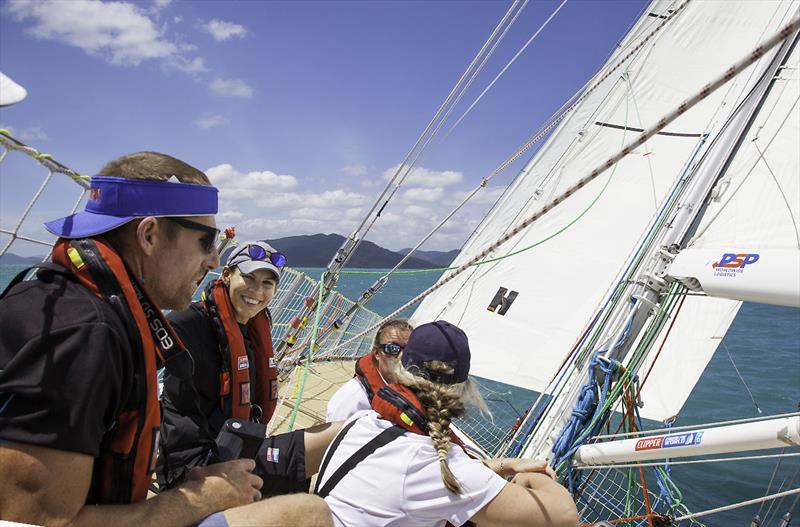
(85, 224)
(254, 265)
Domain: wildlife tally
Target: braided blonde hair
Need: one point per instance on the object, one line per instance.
(442, 404)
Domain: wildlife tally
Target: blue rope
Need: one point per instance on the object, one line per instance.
(575, 432)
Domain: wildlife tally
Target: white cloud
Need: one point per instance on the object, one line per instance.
(425, 177)
(231, 88)
(210, 121)
(235, 185)
(354, 170)
(222, 30)
(195, 65)
(160, 5)
(120, 32)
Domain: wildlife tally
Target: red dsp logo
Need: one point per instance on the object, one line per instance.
(650, 443)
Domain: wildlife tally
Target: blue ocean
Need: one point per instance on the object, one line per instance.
(763, 344)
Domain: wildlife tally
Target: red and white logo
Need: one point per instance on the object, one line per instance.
(649, 443)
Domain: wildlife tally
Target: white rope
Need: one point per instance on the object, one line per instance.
(440, 110)
(9, 143)
(408, 168)
(14, 233)
(508, 65)
(538, 136)
(686, 462)
(738, 505)
(685, 106)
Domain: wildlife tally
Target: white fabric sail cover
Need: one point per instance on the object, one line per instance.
(563, 282)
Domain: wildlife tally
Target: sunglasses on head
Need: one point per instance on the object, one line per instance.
(256, 252)
(391, 348)
(206, 241)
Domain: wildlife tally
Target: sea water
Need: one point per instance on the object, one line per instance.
(764, 344)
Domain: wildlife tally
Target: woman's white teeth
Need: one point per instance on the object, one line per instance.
(250, 301)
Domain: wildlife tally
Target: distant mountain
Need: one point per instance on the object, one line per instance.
(316, 250)
(13, 259)
(440, 258)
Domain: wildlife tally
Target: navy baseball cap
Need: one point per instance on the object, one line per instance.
(114, 201)
(441, 341)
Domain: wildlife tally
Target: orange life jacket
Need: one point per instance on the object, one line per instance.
(394, 402)
(123, 470)
(237, 397)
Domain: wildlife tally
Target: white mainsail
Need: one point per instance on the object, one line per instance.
(587, 242)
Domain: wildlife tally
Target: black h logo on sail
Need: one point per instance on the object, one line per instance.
(502, 300)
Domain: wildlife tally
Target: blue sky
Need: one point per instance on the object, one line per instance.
(296, 110)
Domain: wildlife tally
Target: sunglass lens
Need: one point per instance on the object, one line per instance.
(256, 252)
(277, 259)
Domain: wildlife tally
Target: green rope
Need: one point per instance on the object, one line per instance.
(314, 328)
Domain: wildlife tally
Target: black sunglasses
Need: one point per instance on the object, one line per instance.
(256, 252)
(391, 348)
(211, 233)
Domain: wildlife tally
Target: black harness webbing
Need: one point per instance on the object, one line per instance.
(382, 439)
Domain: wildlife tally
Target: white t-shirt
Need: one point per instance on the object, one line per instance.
(349, 399)
(400, 484)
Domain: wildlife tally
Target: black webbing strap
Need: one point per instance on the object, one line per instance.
(382, 439)
(49, 266)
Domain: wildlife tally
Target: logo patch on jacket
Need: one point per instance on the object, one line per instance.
(273, 454)
(244, 393)
(243, 363)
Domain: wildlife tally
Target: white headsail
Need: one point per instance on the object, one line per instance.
(525, 313)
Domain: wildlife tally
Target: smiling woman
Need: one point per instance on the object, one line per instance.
(229, 336)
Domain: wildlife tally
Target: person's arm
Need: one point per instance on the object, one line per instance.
(530, 500)
(507, 467)
(316, 440)
(43, 486)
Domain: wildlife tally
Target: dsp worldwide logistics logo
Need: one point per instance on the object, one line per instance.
(736, 261)
(732, 264)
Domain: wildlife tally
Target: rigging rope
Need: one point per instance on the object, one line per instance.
(351, 244)
(536, 137)
(508, 65)
(738, 505)
(690, 102)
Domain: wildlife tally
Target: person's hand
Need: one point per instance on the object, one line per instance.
(228, 484)
(532, 480)
(512, 466)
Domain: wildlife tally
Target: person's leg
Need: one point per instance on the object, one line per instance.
(301, 510)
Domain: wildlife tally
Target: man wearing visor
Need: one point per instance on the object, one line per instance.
(373, 370)
(228, 333)
(79, 349)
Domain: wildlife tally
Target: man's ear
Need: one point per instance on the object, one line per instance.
(147, 233)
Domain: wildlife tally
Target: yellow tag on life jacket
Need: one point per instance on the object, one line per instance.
(406, 419)
(75, 257)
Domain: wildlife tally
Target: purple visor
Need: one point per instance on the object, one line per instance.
(114, 201)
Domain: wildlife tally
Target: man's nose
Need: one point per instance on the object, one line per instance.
(212, 262)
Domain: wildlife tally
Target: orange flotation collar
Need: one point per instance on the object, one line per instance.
(237, 397)
(394, 402)
(122, 473)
